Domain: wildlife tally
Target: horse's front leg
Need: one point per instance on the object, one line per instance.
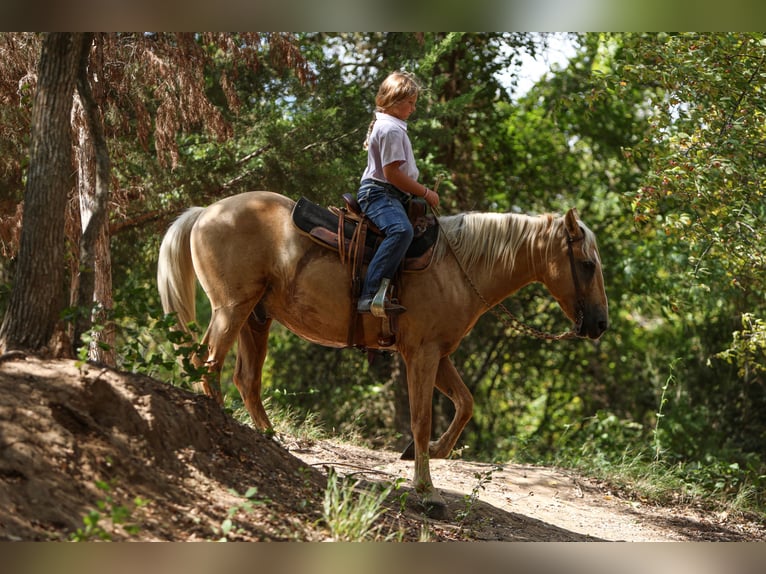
(421, 376)
(449, 382)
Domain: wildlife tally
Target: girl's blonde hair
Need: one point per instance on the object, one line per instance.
(397, 86)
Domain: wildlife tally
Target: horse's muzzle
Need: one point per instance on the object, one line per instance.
(592, 325)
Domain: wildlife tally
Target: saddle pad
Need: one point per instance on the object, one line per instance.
(307, 216)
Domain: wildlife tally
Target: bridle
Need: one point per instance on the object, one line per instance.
(509, 319)
(579, 299)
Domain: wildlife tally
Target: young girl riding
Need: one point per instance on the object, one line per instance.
(387, 183)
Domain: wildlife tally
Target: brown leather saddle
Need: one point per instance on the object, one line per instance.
(347, 231)
(336, 227)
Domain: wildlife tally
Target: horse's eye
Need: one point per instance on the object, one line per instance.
(588, 267)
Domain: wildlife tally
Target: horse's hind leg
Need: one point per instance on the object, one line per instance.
(224, 326)
(449, 382)
(251, 354)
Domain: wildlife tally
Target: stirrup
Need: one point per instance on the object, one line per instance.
(381, 306)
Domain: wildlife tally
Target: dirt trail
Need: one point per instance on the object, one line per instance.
(74, 439)
(532, 503)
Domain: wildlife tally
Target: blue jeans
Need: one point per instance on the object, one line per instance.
(383, 205)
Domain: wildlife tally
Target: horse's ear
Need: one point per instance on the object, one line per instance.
(571, 221)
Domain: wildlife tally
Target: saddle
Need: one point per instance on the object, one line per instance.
(347, 231)
(335, 228)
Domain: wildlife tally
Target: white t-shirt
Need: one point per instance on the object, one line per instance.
(388, 143)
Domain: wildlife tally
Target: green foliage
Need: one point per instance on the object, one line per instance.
(287, 421)
(469, 500)
(228, 527)
(692, 269)
(172, 361)
(624, 454)
(107, 508)
(148, 341)
(663, 399)
(350, 512)
(748, 348)
(702, 187)
(337, 390)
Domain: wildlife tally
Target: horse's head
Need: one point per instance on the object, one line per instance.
(574, 278)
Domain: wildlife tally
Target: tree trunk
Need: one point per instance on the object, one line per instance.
(94, 286)
(38, 294)
(94, 293)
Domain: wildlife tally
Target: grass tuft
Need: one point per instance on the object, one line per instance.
(350, 512)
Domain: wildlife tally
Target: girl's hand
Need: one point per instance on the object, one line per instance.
(431, 197)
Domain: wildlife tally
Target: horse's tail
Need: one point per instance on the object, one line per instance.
(176, 280)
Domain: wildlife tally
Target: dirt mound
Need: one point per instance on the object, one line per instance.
(90, 448)
(73, 438)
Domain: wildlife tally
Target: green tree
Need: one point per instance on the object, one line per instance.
(701, 208)
(161, 90)
(565, 142)
(641, 127)
(36, 298)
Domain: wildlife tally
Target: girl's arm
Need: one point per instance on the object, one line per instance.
(402, 181)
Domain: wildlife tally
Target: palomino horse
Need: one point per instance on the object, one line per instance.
(255, 267)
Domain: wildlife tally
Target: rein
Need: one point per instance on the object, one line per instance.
(509, 319)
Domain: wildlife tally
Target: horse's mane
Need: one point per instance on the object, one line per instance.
(491, 239)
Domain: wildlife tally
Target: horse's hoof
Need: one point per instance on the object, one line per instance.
(409, 452)
(435, 509)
